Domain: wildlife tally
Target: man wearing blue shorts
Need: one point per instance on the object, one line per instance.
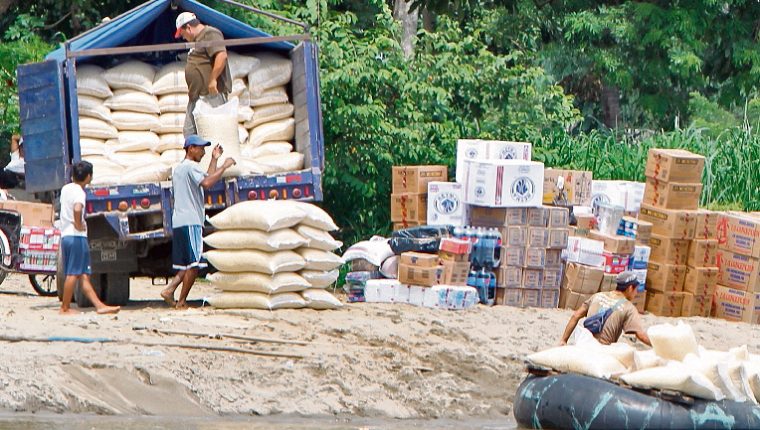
(74, 244)
(188, 183)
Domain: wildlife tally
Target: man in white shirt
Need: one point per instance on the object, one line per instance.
(74, 244)
(12, 176)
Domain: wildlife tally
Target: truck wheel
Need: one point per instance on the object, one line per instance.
(81, 300)
(115, 292)
(44, 285)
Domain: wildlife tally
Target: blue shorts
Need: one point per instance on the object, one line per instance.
(76, 255)
(187, 247)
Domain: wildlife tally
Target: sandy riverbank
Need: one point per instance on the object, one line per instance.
(390, 361)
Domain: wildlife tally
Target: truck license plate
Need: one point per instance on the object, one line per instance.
(108, 255)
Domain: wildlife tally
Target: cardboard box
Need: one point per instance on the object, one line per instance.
(531, 297)
(571, 300)
(707, 223)
(640, 302)
(549, 298)
(666, 304)
(535, 258)
(567, 187)
(32, 214)
(703, 253)
(675, 223)
(641, 277)
(512, 296)
(552, 278)
(553, 258)
(538, 217)
(455, 246)
(420, 276)
(668, 250)
(737, 305)
(455, 273)
(415, 179)
(585, 251)
(635, 228)
(404, 225)
(609, 282)
(739, 233)
(613, 193)
(419, 259)
(634, 196)
(674, 165)
(701, 281)
(512, 256)
(615, 263)
(469, 149)
(509, 277)
(538, 237)
(409, 207)
(702, 306)
(503, 150)
(558, 238)
(504, 183)
(672, 195)
(665, 277)
(533, 278)
(446, 204)
(450, 256)
(481, 216)
(738, 271)
(585, 221)
(614, 244)
(582, 279)
(640, 257)
(687, 307)
(514, 236)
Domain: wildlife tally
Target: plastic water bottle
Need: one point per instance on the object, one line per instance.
(458, 232)
(472, 279)
(497, 250)
(479, 251)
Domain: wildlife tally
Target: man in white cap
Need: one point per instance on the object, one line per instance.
(612, 312)
(207, 73)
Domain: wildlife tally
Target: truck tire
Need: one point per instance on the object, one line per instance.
(81, 300)
(115, 292)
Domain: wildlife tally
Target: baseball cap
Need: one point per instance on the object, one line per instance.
(183, 19)
(627, 278)
(195, 140)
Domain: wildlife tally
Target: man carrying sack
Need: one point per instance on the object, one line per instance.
(609, 314)
(207, 73)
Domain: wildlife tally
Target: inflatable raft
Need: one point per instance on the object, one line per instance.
(571, 401)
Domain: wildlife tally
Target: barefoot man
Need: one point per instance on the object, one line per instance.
(74, 246)
(188, 183)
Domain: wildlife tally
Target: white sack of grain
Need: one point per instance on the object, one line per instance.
(268, 113)
(320, 299)
(270, 164)
(90, 82)
(155, 172)
(176, 102)
(219, 125)
(171, 122)
(318, 238)
(133, 75)
(245, 113)
(275, 131)
(93, 107)
(271, 96)
(89, 146)
(278, 240)
(677, 377)
(266, 149)
(104, 171)
(317, 259)
(238, 86)
(317, 217)
(672, 342)
(133, 101)
(135, 159)
(132, 141)
(135, 121)
(96, 129)
(272, 71)
(241, 65)
(172, 157)
(231, 300)
(170, 141)
(242, 135)
(320, 278)
(258, 282)
(248, 260)
(170, 79)
(266, 215)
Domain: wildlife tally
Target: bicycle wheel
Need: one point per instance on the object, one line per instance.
(44, 285)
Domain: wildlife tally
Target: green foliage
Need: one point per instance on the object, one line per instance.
(709, 116)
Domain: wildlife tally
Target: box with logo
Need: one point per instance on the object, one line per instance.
(665, 304)
(420, 276)
(513, 256)
(634, 196)
(609, 282)
(549, 298)
(502, 150)
(538, 217)
(415, 179)
(737, 305)
(672, 195)
(553, 258)
(702, 253)
(675, 223)
(455, 273)
(469, 149)
(533, 278)
(635, 228)
(404, 225)
(665, 277)
(513, 297)
(702, 306)
(558, 238)
(410, 207)
(531, 298)
(419, 259)
(585, 221)
(608, 192)
(455, 247)
(585, 251)
(707, 223)
(739, 232)
(535, 258)
(668, 250)
(615, 263)
(567, 187)
(482, 216)
(614, 244)
(738, 271)
(509, 277)
(504, 183)
(640, 257)
(582, 279)
(538, 237)
(39, 238)
(641, 277)
(514, 236)
(446, 204)
(32, 214)
(674, 165)
(552, 278)
(701, 281)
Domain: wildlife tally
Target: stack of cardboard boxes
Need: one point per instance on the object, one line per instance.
(737, 296)
(530, 270)
(670, 202)
(701, 266)
(409, 198)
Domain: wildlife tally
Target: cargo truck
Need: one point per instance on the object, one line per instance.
(129, 225)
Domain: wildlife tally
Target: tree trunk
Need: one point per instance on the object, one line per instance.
(408, 19)
(5, 5)
(611, 106)
(428, 20)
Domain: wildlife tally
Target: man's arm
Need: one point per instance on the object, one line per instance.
(220, 60)
(577, 315)
(78, 219)
(211, 179)
(642, 336)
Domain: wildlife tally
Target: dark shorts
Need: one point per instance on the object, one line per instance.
(187, 247)
(76, 255)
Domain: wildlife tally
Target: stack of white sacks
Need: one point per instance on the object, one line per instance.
(273, 255)
(676, 362)
(131, 118)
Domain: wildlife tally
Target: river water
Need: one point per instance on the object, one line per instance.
(12, 421)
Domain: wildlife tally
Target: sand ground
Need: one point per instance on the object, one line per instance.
(368, 360)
